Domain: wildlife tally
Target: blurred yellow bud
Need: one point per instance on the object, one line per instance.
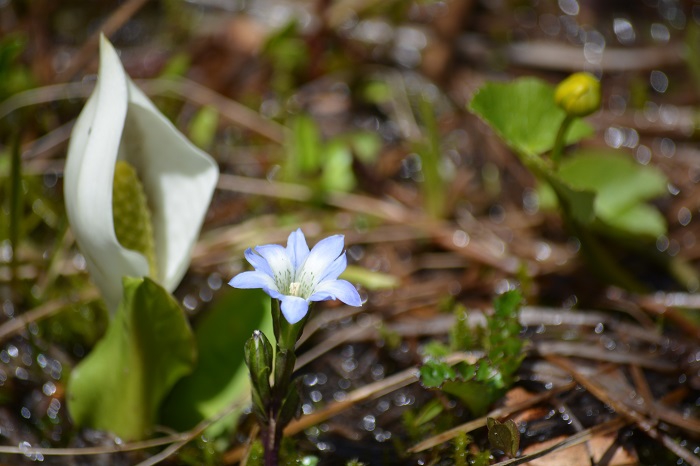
(578, 95)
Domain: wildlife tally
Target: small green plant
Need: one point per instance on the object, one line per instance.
(326, 164)
(478, 385)
(598, 192)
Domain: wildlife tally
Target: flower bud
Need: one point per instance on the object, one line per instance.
(578, 95)
(258, 358)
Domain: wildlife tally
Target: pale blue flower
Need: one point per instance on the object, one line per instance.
(296, 276)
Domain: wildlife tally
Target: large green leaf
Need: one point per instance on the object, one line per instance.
(621, 186)
(148, 346)
(524, 114)
(221, 375)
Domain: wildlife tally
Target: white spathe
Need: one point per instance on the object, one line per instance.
(120, 123)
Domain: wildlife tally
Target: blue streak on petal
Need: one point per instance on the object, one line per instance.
(258, 262)
(337, 289)
(293, 308)
(253, 279)
(297, 249)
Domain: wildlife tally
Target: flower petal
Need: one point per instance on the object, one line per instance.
(258, 262)
(297, 249)
(89, 180)
(294, 308)
(319, 259)
(178, 178)
(253, 279)
(335, 269)
(337, 289)
(279, 262)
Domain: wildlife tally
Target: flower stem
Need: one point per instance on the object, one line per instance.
(281, 401)
(561, 137)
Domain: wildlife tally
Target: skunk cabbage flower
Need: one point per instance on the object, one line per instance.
(296, 276)
(123, 147)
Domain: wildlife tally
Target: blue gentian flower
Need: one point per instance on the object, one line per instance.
(296, 276)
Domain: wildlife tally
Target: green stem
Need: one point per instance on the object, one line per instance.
(286, 335)
(561, 139)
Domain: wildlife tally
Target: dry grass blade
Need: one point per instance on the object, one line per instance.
(576, 439)
(481, 422)
(610, 390)
(50, 308)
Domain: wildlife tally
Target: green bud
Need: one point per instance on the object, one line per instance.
(578, 95)
(132, 218)
(258, 358)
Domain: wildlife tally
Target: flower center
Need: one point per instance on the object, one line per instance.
(295, 288)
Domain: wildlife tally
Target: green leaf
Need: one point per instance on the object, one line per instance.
(148, 347)
(524, 114)
(475, 395)
(504, 436)
(305, 146)
(366, 145)
(220, 376)
(428, 412)
(204, 125)
(337, 172)
(621, 185)
(434, 373)
(370, 279)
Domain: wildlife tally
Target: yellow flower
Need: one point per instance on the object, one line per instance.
(578, 95)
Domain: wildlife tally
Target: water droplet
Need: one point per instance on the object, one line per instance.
(660, 32)
(49, 388)
(624, 31)
(569, 7)
(684, 216)
(21, 373)
(542, 251)
(369, 423)
(643, 155)
(460, 238)
(658, 81)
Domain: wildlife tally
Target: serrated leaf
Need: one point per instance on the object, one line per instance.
(148, 347)
(434, 373)
(220, 376)
(474, 395)
(524, 114)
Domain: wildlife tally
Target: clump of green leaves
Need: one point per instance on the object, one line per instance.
(478, 385)
(327, 164)
(597, 192)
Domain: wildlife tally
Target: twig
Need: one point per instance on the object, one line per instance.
(481, 422)
(191, 434)
(120, 16)
(45, 310)
(576, 439)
